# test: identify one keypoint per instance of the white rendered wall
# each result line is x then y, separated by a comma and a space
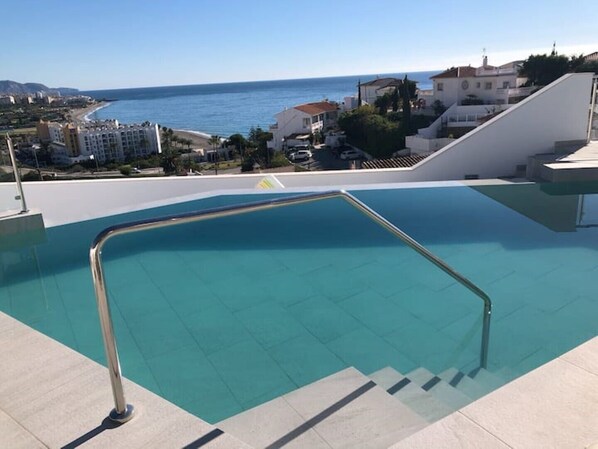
559, 112
290, 121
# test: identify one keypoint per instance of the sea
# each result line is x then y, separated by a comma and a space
226, 109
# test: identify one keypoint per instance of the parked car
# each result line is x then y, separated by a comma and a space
296, 148
301, 155
351, 154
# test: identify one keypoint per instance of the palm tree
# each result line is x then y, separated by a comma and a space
215, 142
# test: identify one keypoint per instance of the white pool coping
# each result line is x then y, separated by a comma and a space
54, 397
554, 406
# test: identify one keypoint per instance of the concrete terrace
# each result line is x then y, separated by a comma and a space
53, 397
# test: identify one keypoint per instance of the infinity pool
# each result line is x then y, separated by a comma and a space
223, 315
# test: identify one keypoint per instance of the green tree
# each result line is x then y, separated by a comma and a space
542, 70
258, 139
383, 103
215, 142
395, 97
372, 132
406, 104
239, 142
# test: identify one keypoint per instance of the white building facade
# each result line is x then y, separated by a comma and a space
482, 85
110, 141
302, 121
56, 132
370, 91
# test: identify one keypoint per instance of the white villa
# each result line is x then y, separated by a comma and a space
370, 91
487, 84
472, 96
301, 121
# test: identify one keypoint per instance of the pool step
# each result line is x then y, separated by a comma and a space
486, 378
441, 389
346, 409
463, 383
411, 394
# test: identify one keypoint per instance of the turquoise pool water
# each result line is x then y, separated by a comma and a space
221, 316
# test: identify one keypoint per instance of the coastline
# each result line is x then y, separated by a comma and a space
199, 139
82, 115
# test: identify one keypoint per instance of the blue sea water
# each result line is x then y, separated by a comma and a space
225, 109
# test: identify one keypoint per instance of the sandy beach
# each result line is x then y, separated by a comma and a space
200, 140
78, 115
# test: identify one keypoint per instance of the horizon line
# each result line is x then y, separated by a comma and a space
258, 81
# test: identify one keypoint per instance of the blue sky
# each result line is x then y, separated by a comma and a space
129, 43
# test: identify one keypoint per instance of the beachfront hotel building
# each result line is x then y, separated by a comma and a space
106, 140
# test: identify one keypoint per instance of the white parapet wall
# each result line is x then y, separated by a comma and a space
559, 112
424, 147
69, 201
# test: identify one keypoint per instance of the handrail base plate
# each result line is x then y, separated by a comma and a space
122, 418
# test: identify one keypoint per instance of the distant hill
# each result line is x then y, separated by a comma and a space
12, 87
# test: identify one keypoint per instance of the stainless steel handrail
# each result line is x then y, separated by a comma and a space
592, 107
122, 411
15, 169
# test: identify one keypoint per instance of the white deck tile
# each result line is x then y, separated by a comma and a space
344, 410
551, 407
585, 356
14, 436
453, 432
267, 423
372, 420
73, 407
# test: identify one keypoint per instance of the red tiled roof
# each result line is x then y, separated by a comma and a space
317, 108
457, 72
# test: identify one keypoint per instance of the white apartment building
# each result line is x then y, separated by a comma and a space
485, 84
109, 140
302, 120
55, 131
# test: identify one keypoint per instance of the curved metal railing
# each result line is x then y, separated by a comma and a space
122, 411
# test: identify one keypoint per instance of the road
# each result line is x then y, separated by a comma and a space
324, 159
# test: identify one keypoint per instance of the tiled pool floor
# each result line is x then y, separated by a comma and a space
218, 330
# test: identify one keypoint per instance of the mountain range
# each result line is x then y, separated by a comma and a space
14, 88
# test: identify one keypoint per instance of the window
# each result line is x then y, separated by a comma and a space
478, 85
488, 86
440, 86
306, 122
505, 85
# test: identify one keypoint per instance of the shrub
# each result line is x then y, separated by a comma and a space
125, 170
